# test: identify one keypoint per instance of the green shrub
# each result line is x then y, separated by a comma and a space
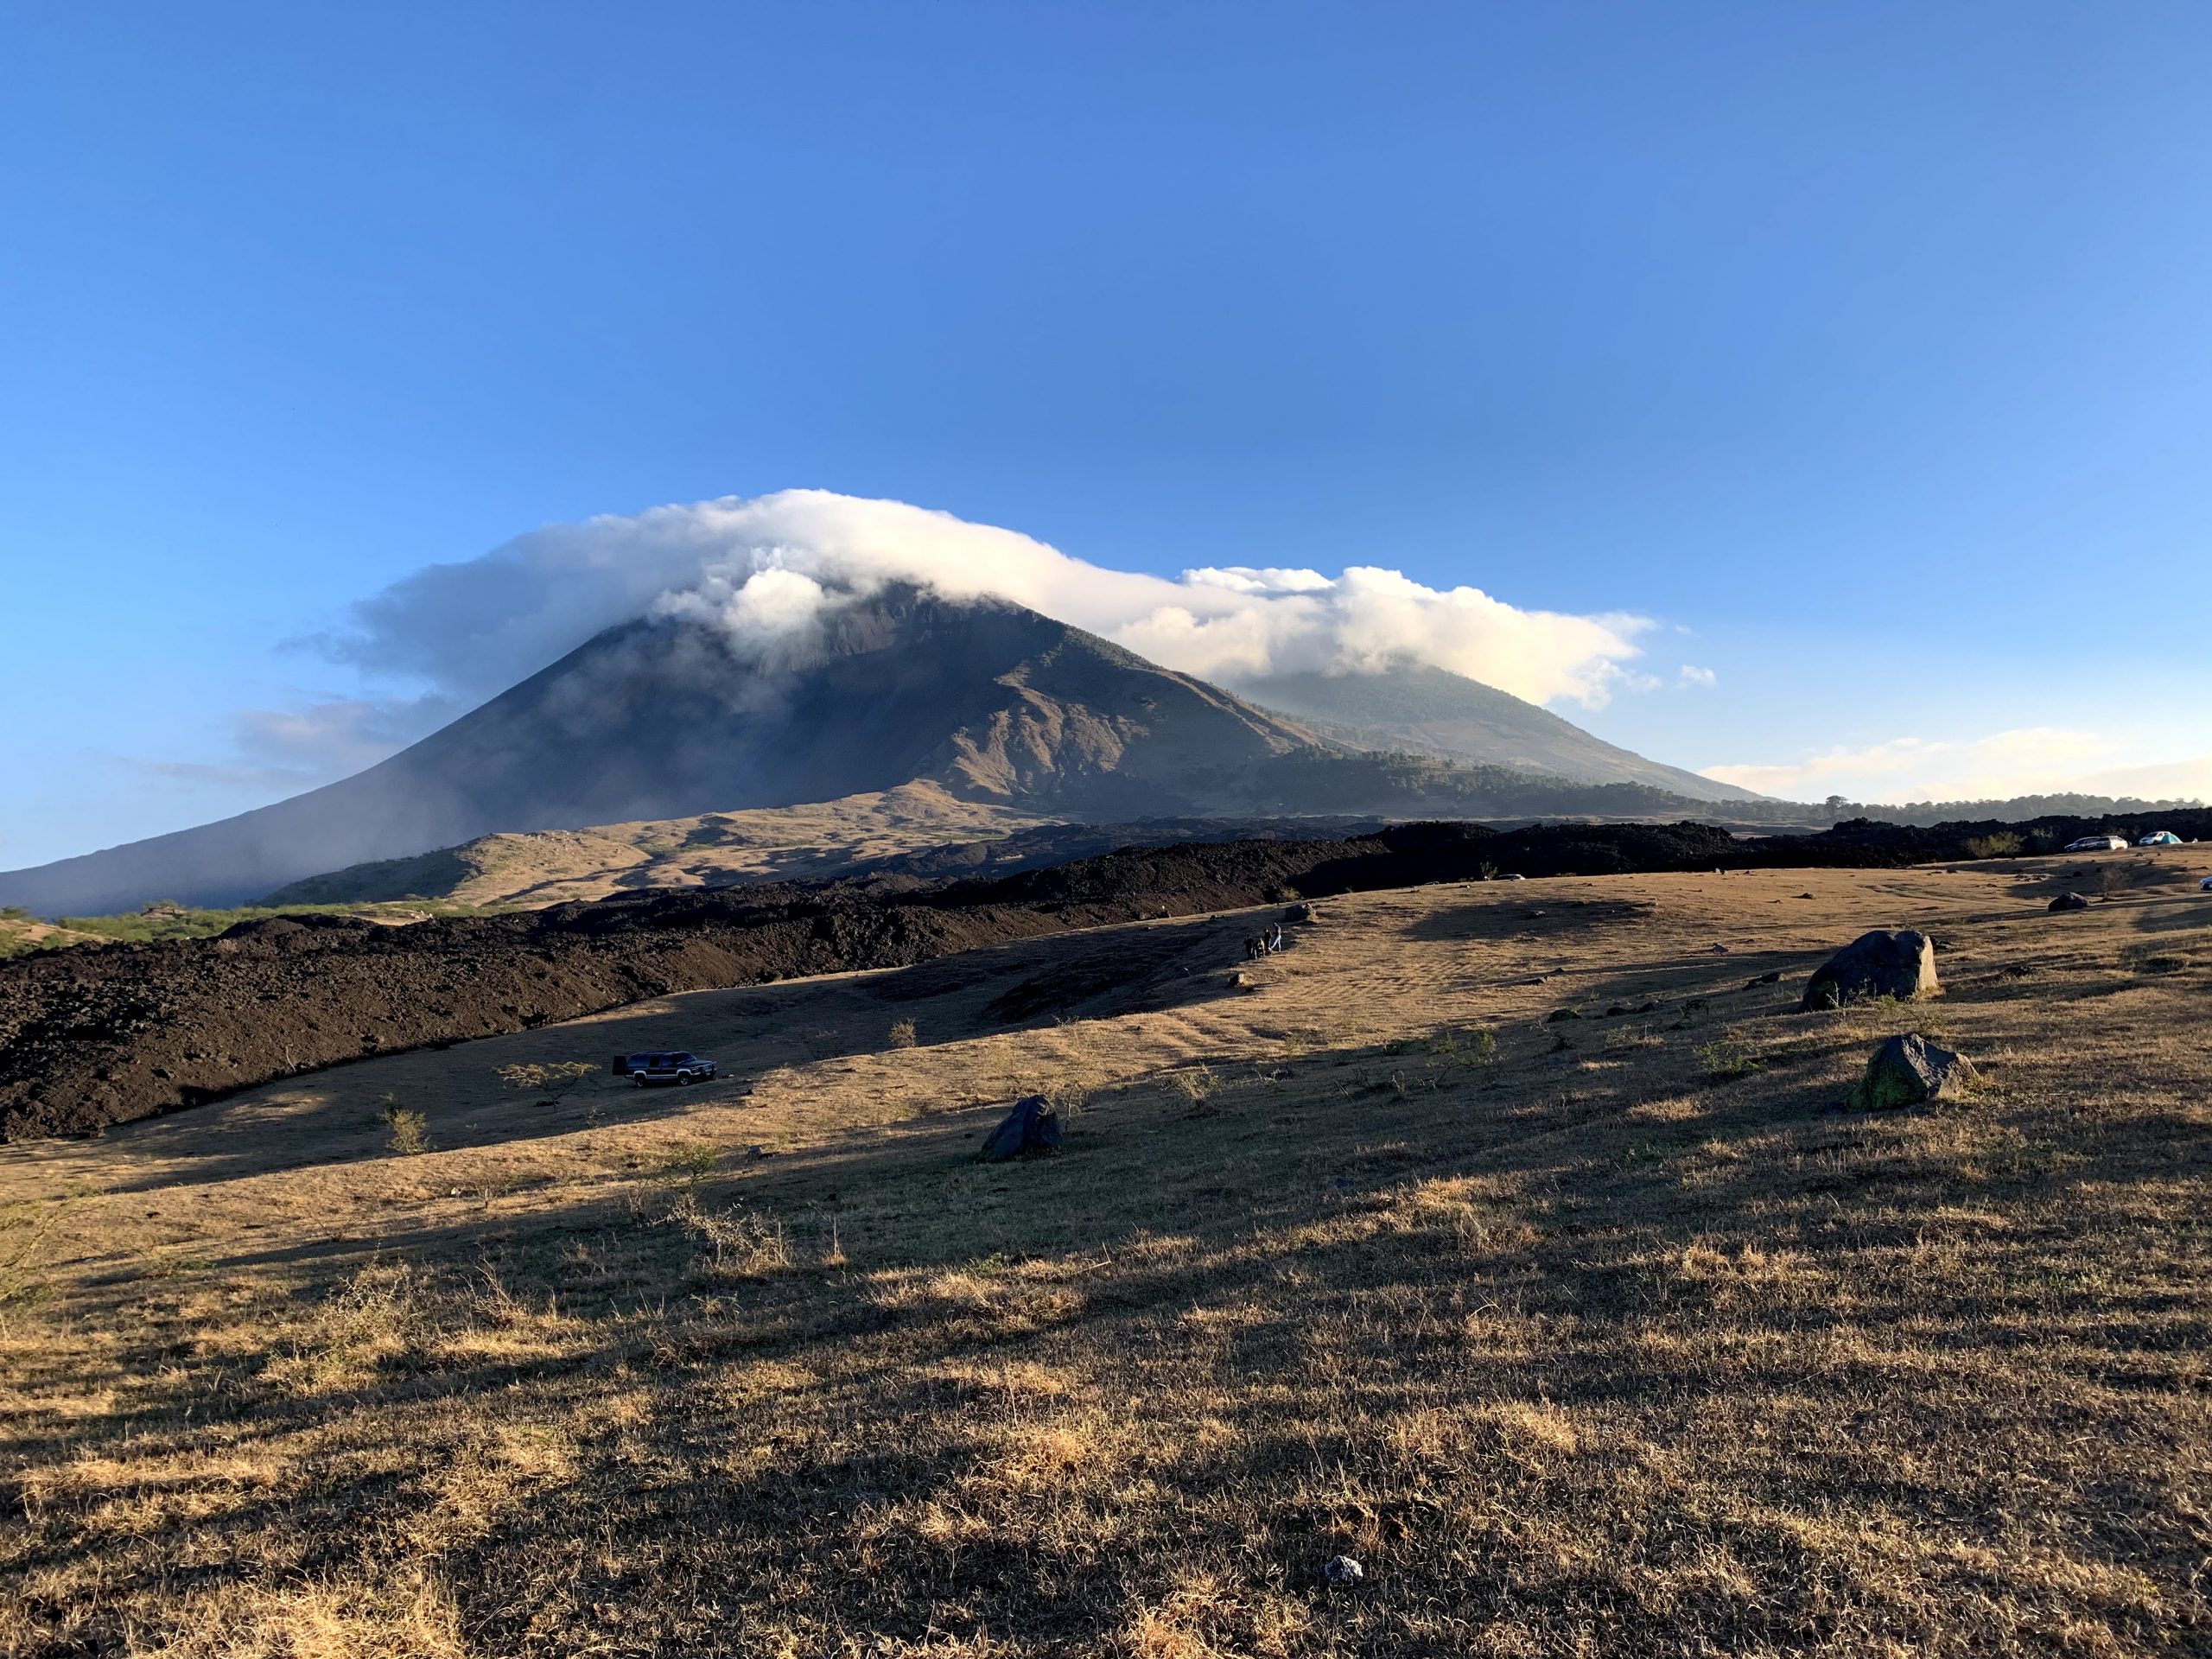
2005, 844
411, 1130
1729, 1056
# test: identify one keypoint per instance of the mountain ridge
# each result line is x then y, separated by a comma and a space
1422, 709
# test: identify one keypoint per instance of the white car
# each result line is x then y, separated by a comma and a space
2160, 838
2097, 844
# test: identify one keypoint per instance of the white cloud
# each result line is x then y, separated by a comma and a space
766, 568
1691, 675
2029, 760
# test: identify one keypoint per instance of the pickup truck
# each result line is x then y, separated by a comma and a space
669, 1067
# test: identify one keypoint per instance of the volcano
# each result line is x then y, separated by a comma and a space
981, 701
659, 719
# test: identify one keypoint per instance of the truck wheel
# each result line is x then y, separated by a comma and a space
684, 1078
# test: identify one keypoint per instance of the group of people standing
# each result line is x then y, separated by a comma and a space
1264, 944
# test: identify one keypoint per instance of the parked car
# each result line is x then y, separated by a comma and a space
2205, 886
2097, 844
673, 1066
2160, 838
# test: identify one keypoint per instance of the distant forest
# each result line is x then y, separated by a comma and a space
2017, 810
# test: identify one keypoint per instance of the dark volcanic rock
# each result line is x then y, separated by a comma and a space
1901, 964
100, 1035
2068, 901
1906, 1071
1032, 1126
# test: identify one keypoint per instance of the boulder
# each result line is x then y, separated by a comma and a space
2069, 901
1906, 1071
1902, 965
1032, 1126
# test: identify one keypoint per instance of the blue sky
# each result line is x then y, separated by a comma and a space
1864, 349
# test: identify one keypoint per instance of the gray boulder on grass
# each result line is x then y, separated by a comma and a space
1901, 964
1906, 1071
1033, 1126
2069, 901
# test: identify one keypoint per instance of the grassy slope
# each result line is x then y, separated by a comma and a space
553, 867
1577, 1349
193, 922
21, 935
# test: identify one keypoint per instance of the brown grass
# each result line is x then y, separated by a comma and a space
1595, 1350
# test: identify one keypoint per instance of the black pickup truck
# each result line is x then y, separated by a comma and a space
669, 1066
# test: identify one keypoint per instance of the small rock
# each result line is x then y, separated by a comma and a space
1719, 950
1774, 978
1558, 1014
2069, 901
1906, 1071
1342, 1569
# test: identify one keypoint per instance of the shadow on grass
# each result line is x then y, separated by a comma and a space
1375, 1233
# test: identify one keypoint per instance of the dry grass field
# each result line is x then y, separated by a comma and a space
825, 839
1604, 1336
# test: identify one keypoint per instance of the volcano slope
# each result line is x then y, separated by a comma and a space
1622, 1343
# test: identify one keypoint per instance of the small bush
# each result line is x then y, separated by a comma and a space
1470, 1048
411, 1130
732, 1244
902, 1034
1196, 1085
2005, 843
1729, 1056
692, 1161
551, 1081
